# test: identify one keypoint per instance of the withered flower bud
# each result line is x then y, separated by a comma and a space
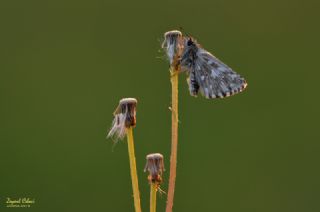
155, 166
124, 117
173, 44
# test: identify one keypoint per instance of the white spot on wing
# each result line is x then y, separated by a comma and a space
233, 76
213, 73
221, 69
224, 87
206, 91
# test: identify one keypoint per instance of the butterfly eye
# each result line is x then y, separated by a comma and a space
189, 42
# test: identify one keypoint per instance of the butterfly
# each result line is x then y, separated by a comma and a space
207, 74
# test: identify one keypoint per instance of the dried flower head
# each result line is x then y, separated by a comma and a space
124, 117
173, 44
155, 166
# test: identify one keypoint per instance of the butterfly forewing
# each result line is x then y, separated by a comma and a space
209, 75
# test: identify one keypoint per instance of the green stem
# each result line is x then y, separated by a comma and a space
153, 197
133, 170
174, 137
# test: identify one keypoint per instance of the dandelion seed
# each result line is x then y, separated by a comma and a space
124, 117
173, 44
155, 166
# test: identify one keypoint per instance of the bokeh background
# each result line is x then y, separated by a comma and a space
65, 65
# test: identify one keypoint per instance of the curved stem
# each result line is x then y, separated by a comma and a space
133, 170
153, 197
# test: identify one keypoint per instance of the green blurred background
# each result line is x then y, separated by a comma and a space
65, 65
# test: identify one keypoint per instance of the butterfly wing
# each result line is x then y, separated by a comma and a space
213, 78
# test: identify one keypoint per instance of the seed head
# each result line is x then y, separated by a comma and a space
173, 44
155, 166
124, 117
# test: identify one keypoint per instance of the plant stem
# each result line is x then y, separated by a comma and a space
133, 170
153, 197
174, 137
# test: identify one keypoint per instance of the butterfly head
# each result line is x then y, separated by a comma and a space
190, 42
